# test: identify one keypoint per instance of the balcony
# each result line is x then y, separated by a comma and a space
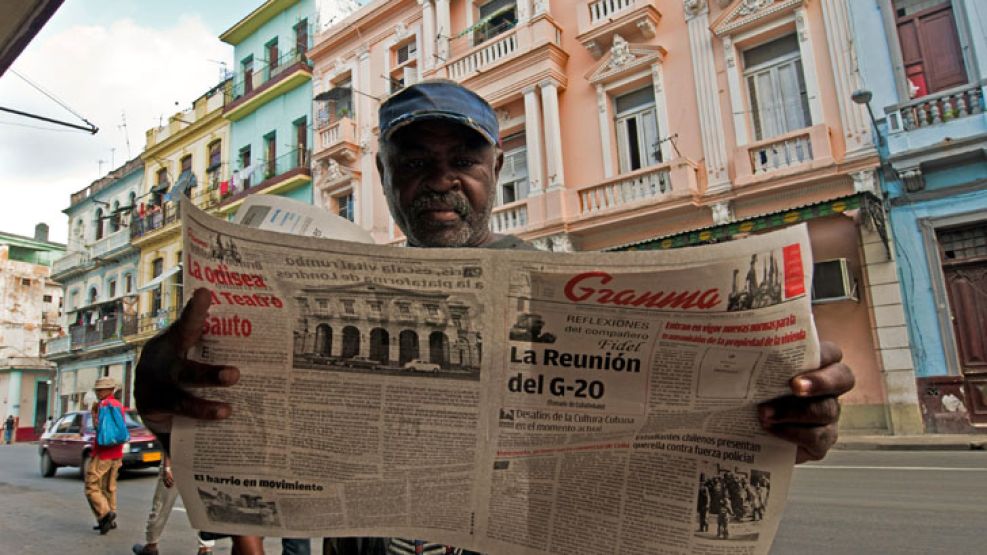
957, 114
497, 51
148, 323
71, 263
338, 140
484, 55
157, 218
57, 346
786, 154
110, 245
936, 109
88, 336
252, 89
600, 20
281, 174
645, 187
510, 218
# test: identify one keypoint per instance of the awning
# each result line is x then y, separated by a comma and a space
157, 281
335, 93
161, 187
765, 222
185, 181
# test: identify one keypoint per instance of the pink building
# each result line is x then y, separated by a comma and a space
633, 124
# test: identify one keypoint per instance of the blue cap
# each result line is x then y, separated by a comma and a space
438, 99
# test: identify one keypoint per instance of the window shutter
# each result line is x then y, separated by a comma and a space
941, 49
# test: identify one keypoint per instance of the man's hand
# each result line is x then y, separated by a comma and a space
809, 415
167, 478
164, 371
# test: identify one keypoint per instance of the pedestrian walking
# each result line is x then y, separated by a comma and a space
105, 460
8, 429
165, 494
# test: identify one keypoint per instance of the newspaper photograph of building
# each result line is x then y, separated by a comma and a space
373, 328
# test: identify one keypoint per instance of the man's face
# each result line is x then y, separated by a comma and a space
439, 180
103, 393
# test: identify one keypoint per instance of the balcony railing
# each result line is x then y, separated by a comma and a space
777, 153
88, 335
510, 218
157, 217
246, 85
602, 10
343, 129
114, 241
937, 108
484, 55
649, 184
71, 260
149, 322
58, 345
267, 172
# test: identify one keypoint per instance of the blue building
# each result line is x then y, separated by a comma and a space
269, 102
925, 64
99, 282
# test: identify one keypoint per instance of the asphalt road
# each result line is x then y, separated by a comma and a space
855, 502
877, 502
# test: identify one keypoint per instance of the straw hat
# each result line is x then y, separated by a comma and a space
105, 382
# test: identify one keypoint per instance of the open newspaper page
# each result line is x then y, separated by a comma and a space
501, 401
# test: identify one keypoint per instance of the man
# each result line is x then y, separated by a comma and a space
104, 463
163, 501
8, 428
438, 160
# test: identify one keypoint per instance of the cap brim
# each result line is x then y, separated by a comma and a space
419, 117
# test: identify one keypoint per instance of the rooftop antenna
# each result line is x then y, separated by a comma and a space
112, 152
100, 162
126, 134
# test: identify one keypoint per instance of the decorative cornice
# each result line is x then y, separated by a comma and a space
743, 13
694, 8
623, 58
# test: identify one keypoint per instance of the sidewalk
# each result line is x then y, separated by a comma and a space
925, 442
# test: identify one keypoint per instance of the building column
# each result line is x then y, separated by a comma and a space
734, 81
809, 66
707, 97
14, 395
604, 115
532, 138
553, 133
428, 33
443, 29
661, 112
846, 73
903, 414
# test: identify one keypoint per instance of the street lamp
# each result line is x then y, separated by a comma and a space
863, 96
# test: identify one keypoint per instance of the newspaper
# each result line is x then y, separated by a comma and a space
500, 401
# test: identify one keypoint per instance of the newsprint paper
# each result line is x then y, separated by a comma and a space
501, 401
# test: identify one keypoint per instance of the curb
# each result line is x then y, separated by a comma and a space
930, 444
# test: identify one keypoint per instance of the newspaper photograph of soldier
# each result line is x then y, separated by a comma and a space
247, 508
375, 329
756, 293
730, 502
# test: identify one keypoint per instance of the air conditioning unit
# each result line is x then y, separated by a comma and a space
832, 282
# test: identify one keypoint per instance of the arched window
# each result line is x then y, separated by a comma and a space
93, 295
407, 346
115, 217
98, 222
380, 345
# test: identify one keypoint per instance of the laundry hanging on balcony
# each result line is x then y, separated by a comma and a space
185, 182
158, 280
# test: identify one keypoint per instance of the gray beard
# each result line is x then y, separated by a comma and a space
472, 224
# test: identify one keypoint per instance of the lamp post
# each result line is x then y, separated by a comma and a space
863, 96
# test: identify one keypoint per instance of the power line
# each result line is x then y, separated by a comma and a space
55, 99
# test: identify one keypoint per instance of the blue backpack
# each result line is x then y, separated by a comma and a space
111, 429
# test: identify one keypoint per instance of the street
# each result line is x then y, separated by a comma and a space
866, 502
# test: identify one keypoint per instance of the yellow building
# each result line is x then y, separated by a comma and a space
188, 156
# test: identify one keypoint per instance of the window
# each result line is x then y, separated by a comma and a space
343, 205
46, 298
245, 166
185, 181
128, 283
637, 130
512, 185
301, 36
496, 17
930, 46
247, 69
323, 304
157, 266
397, 82
776, 85
348, 306
93, 295
407, 52
112, 288
160, 184
98, 222
179, 277
26, 282
215, 155
271, 49
301, 142
271, 154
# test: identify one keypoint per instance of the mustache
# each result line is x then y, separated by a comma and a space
448, 200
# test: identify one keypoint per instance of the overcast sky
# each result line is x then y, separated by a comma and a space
108, 61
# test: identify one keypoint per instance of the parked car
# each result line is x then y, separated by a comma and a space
421, 366
361, 362
69, 441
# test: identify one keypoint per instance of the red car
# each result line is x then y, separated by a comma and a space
68, 442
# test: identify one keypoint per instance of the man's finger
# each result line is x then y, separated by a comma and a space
198, 408
193, 373
188, 328
832, 379
829, 353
